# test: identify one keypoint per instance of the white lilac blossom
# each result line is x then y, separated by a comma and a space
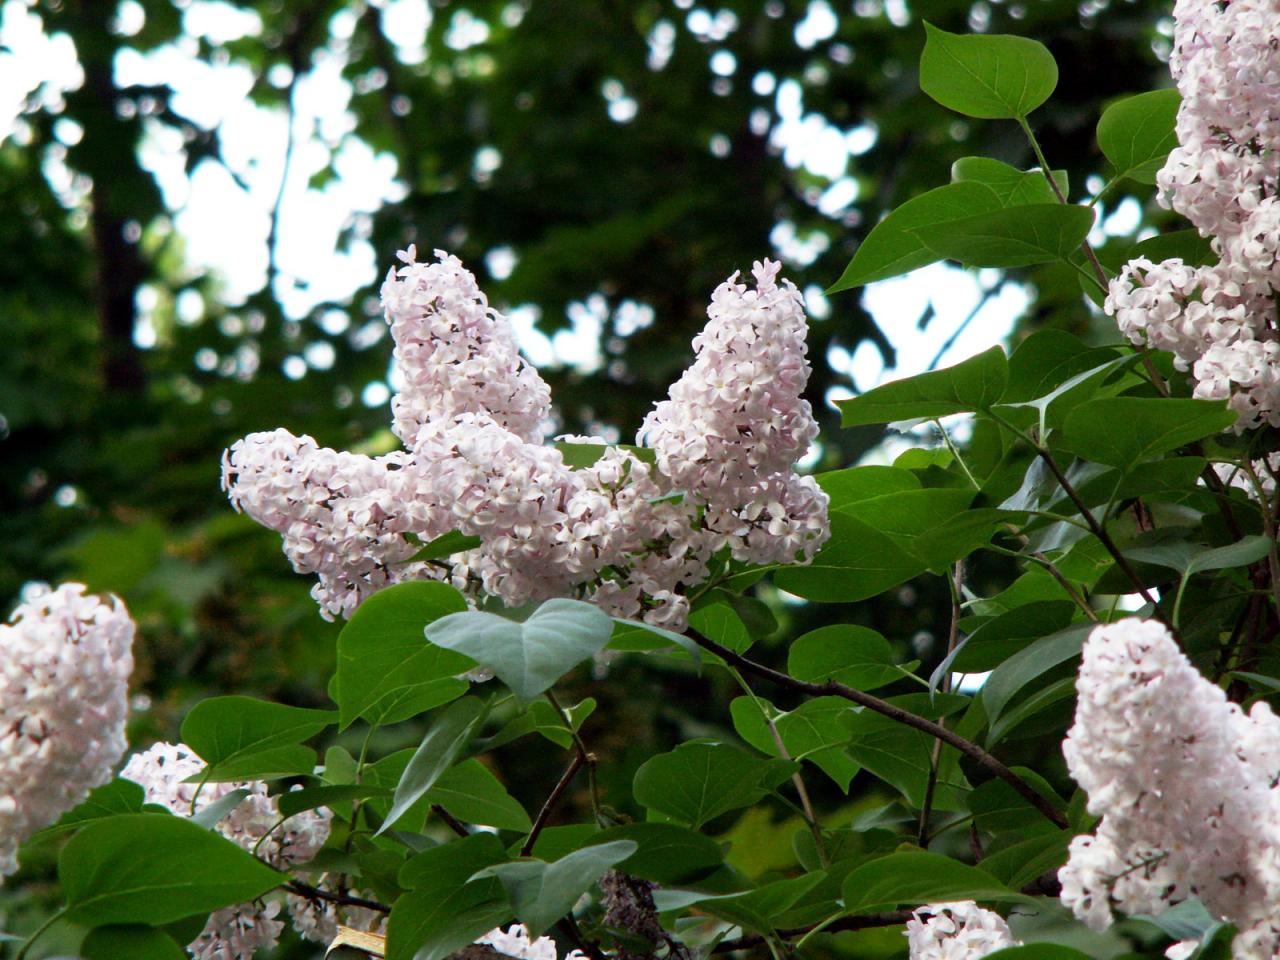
1222, 177
630, 535
64, 678
235, 932
1184, 783
515, 942
956, 931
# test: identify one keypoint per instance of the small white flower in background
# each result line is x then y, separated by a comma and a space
956, 931
1184, 782
1182, 949
473, 415
515, 942
64, 684
236, 932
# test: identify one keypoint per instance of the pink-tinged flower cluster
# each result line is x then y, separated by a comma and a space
65, 661
1219, 320
956, 931
1184, 782
631, 535
236, 932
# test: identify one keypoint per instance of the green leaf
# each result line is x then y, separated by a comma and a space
1014, 187
857, 562
1137, 133
1127, 431
916, 878
698, 781
854, 484
1042, 699
474, 795
665, 853
542, 893
1015, 672
1012, 237
226, 732
210, 814
997, 807
383, 660
130, 942
751, 909
144, 868
309, 798
118, 796
892, 248
975, 384
676, 639
579, 456
813, 732
906, 515
856, 656
1038, 951
903, 757
1189, 559
531, 656
439, 748
1020, 864
989, 77
445, 545
1185, 245
271, 764
443, 912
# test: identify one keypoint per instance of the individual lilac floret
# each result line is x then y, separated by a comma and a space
64, 683
1184, 783
455, 354
956, 931
515, 942
236, 932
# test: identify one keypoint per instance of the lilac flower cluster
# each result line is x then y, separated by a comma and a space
956, 931
236, 932
1219, 320
64, 679
630, 535
1185, 784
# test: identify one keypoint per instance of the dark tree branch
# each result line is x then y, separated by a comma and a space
342, 899
575, 764
833, 689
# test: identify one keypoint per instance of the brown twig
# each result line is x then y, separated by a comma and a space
575, 764
953, 637
315, 893
832, 688
452, 822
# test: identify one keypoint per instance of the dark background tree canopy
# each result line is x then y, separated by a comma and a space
110, 452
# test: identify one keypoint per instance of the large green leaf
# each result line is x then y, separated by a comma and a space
228, 732
975, 384
853, 484
698, 781
443, 912
917, 878
812, 731
905, 515
903, 757
437, 752
1014, 187
1012, 237
850, 654
892, 248
473, 794
1127, 431
130, 942
1137, 133
144, 868
857, 562
665, 853
531, 656
989, 77
383, 660
110, 799
1015, 672
754, 909
542, 893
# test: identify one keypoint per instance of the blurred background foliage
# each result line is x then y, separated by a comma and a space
614, 157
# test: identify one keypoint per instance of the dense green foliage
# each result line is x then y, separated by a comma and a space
1078, 484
